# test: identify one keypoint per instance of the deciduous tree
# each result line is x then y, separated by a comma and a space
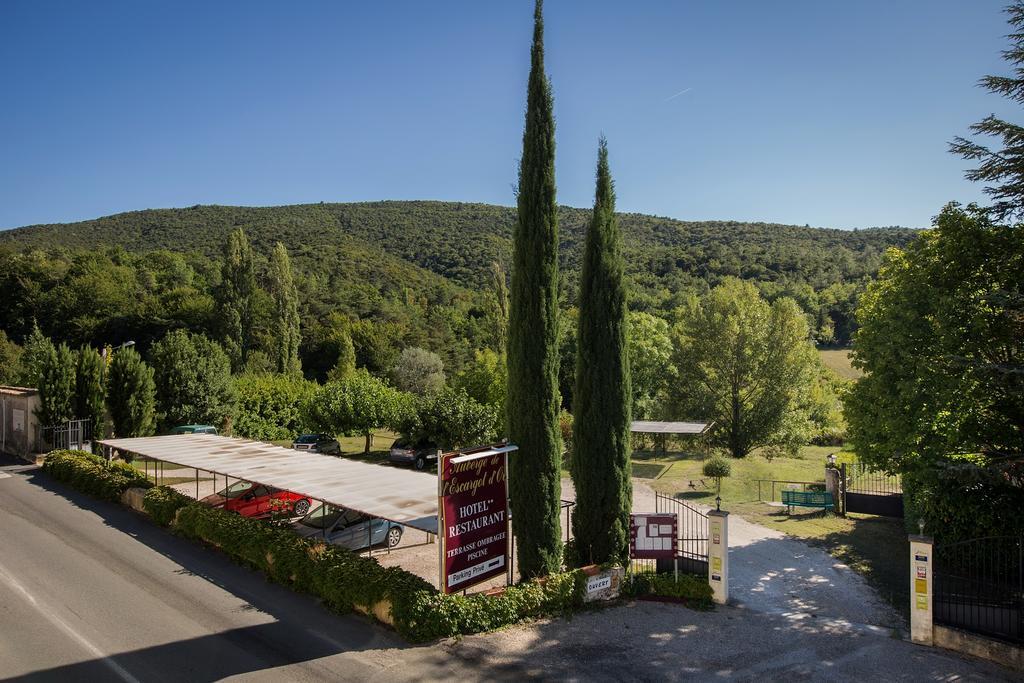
650, 362
746, 365
358, 404
941, 344
193, 380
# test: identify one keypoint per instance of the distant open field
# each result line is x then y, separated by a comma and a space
839, 360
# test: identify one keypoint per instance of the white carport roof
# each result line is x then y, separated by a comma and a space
669, 427
399, 495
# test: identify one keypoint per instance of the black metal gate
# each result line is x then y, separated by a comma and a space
692, 543
978, 586
870, 492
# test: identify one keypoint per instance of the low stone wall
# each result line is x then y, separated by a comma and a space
603, 584
978, 646
133, 498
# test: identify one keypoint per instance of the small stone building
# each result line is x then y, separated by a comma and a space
19, 427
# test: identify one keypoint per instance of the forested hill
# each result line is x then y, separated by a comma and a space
459, 241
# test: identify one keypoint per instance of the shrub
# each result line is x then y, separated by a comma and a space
162, 502
343, 579
694, 591
717, 467
422, 616
346, 581
93, 475
959, 502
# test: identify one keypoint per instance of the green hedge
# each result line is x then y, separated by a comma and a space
343, 579
346, 581
162, 502
695, 591
92, 474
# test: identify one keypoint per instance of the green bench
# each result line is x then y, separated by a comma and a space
807, 499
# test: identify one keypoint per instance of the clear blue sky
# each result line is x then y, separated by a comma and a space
804, 111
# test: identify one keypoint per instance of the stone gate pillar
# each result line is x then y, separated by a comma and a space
718, 555
922, 567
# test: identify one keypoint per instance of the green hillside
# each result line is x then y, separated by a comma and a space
458, 241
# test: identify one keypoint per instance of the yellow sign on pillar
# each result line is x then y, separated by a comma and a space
921, 561
718, 555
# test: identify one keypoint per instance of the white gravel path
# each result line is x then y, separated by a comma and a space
774, 573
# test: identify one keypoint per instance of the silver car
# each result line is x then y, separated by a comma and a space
348, 528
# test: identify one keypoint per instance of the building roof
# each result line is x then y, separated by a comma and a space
649, 427
400, 495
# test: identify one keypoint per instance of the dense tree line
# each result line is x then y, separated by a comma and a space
364, 258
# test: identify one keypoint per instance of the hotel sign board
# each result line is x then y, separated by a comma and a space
473, 516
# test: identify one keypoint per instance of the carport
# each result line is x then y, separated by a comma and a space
402, 496
662, 428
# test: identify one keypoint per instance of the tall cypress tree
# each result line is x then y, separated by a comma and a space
56, 386
236, 298
603, 395
90, 390
286, 311
131, 394
533, 401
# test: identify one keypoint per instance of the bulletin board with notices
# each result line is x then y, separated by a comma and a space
653, 536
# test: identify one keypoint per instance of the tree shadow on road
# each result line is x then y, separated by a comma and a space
302, 629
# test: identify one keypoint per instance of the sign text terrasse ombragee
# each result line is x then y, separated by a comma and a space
474, 518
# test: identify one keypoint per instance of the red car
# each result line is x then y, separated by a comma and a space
257, 500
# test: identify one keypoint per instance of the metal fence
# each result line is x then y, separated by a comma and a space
73, 434
979, 586
691, 543
870, 492
859, 478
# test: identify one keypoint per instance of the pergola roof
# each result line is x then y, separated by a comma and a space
647, 427
399, 495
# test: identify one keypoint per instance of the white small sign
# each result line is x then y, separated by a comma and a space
598, 583
18, 418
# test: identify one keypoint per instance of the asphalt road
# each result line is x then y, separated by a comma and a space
92, 591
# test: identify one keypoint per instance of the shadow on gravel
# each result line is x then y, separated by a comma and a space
303, 629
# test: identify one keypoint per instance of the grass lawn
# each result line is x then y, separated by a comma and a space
352, 447
876, 547
839, 360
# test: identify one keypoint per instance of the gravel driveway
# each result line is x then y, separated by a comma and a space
777, 574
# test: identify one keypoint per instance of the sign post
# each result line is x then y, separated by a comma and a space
473, 519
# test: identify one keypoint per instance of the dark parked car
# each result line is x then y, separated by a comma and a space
348, 528
194, 429
317, 443
419, 453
